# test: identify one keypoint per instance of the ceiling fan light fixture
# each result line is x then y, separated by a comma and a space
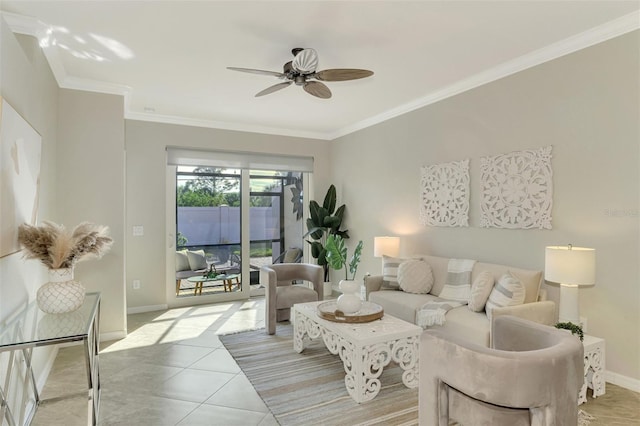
302, 71
306, 61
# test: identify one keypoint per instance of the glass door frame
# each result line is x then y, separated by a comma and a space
171, 214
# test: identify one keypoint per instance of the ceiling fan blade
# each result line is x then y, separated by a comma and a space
306, 61
317, 89
274, 88
254, 71
342, 74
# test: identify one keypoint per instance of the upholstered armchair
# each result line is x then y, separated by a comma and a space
530, 376
280, 292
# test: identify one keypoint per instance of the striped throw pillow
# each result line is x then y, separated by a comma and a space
390, 267
508, 291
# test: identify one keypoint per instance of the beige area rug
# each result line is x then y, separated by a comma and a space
308, 388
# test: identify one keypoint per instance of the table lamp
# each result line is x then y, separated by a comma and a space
388, 246
570, 267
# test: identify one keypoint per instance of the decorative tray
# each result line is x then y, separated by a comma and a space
368, 312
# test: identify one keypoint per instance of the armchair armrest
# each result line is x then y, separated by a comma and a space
372, 283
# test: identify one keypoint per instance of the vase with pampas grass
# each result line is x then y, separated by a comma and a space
60, 250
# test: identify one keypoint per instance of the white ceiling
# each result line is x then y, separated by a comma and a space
169, 58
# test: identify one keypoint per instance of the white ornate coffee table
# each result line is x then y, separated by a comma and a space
364, 348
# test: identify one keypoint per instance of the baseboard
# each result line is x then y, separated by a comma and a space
622, 381
113, 335
149, 308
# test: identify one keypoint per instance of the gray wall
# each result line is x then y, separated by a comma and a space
29, 87
587, 106
146, 191
90, 160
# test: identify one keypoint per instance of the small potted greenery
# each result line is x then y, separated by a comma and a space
337, 255
573, 328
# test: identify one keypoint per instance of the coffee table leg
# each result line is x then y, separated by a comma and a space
298, 331
364, 367
405, 352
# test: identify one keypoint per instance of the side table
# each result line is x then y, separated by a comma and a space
593, 367
32, 328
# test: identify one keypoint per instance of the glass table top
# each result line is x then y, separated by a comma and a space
33, 327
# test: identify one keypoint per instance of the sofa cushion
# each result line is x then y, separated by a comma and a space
197, 260
466, 324
400, 304
439, 268
480, 291
415, 276
182, 261
508, 291
530, 279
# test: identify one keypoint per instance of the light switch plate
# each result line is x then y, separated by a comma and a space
138, 231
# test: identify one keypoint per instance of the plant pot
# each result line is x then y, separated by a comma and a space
61, 294
349, 301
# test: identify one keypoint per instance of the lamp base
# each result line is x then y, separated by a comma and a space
569, 309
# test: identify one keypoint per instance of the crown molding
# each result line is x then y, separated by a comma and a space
617, 27
222, 125
599, 34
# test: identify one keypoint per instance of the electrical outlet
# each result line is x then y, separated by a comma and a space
136, 284
138, 231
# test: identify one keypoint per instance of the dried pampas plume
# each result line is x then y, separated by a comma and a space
57, 248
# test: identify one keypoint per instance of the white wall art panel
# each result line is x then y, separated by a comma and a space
445, 194
20, 149
517, 190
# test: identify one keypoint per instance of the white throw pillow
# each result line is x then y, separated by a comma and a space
480, 291
415, 276
182, 261
508, 291
197, 260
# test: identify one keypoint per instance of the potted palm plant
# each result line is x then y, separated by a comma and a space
324, 220
337, 255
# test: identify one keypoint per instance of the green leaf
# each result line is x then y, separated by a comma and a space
313, 213
332, 222
330, 200
316, 249
355, 259
336, 252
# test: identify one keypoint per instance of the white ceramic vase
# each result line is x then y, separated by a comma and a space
349, 302
61, 294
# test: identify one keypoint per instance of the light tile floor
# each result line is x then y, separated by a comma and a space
171, 369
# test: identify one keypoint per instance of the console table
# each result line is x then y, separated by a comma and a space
32, 328
593, 367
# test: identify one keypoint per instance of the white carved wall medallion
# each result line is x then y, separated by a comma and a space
445, 194
517, 190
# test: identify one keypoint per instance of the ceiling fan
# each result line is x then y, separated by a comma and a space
302, 72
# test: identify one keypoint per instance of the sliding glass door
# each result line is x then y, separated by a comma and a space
228, 223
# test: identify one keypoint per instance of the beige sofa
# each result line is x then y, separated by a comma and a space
461, 321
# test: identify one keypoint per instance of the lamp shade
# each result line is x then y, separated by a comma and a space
389, 246
570, 265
